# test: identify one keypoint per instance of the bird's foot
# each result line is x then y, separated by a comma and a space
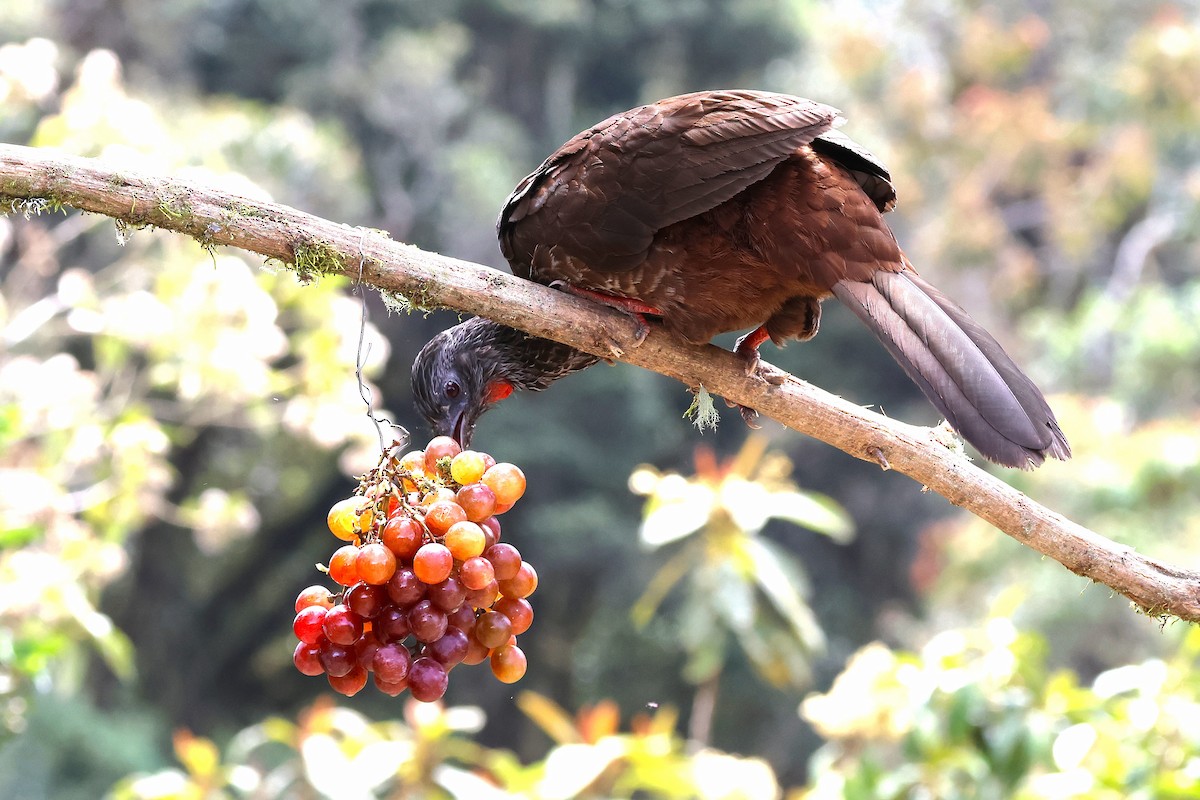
642, 329
747, 348
749, 415
634, 308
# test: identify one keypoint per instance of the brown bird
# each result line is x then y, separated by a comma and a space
726, 210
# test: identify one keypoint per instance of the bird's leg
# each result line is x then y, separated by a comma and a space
634, 308
798, 318
747, 347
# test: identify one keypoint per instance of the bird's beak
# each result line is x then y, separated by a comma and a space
462, 424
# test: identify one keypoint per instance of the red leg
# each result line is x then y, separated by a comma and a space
634, 308
747, 346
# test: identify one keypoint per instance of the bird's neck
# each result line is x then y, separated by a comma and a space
529, 362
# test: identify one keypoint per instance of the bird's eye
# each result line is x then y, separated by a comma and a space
452, 389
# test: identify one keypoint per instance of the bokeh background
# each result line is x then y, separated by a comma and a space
174, 423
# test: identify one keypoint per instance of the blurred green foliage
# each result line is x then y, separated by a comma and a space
977, 714
174, 423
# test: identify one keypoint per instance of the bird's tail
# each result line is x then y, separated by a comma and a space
958, 365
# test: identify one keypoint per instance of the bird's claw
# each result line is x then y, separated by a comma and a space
772, 375
641, 329
751, 363
749, 416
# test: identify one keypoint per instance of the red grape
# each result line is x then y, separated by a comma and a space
462, 618
391, 689
447, 595
405, 588
427, 680
450, 649
307, 659
351, 683
392, 662
392, 625
492, 524
365, 648
366, 600
342, 626
337, 659
506, 560
427, 622
483, 598
308, 625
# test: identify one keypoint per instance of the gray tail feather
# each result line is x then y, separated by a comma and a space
963, 371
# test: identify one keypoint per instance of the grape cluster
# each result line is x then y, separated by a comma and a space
425, 582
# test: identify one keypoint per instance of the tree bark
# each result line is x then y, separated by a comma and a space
33, 180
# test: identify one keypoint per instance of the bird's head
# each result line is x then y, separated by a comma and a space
458, 375
464, 371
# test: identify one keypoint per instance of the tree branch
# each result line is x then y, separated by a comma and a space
31, 179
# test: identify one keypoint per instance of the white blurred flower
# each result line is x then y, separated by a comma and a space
720, 776
27, 71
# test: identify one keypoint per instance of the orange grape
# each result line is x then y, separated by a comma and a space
518, 611
509, 663
432, 563
465, 540
375, 563
476, 573
343, 565
403, 535
478, 500
314, 596
343, 517
523, 584
441, 515
492, 629
507, 481
414, 464
467, 467
353, 681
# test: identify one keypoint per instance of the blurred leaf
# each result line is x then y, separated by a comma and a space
665, 578
730, 597
19, 537
813, 511
198, 755
781, 581
549, 716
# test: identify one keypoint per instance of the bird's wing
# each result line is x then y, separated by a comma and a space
603, 195
867, 170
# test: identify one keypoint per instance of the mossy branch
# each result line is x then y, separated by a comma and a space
33, 180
